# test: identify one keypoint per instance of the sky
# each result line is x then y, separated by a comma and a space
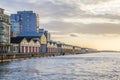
86, 23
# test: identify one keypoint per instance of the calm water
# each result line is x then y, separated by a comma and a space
102, 66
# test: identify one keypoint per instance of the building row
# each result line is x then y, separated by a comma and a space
33, 44
18, 25
20, 33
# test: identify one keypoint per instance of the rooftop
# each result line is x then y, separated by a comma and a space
19, 39
1, 8
30, 34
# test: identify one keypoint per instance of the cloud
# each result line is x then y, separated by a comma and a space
90, 23
109, 7
74, 34
91, 20
96, 28
94, 1
72, 16
62, 9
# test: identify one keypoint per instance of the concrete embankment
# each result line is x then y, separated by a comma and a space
17, 56
10, 56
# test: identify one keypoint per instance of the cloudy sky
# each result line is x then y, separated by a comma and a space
86, 23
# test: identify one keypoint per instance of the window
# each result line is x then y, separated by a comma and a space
27, 20
13, 48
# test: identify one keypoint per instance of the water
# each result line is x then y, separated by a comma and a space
96, 66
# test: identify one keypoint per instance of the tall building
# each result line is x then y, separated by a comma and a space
15, 28
4, 32
24, 21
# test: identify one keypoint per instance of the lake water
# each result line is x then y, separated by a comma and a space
96, 66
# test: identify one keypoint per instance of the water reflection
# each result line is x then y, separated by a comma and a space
102, 66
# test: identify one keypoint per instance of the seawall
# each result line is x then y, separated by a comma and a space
16, 56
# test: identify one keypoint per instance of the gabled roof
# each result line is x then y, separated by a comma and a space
19, 39
35, 40
16, 39
30, 34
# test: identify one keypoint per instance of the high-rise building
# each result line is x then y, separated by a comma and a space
15, 28
4, 32
24, 21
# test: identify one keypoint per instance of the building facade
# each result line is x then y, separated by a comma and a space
25, 45
24, 21
52, 47
47, 34
15, 30
4, 32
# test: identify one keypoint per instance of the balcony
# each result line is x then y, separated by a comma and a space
1, 27
2, 33
3, 41
5, 21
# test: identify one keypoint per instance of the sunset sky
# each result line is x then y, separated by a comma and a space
86, 23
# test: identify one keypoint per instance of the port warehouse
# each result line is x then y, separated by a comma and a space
20, 33
28, 42
34, 44
21, 37
27, 45
31, 46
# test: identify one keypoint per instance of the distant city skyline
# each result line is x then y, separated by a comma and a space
86, 23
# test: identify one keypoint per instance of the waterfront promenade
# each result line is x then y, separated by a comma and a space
16, 56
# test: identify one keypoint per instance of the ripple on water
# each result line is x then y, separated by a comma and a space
102, 66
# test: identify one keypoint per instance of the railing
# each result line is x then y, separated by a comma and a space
5, 21
2, 40
2, 33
